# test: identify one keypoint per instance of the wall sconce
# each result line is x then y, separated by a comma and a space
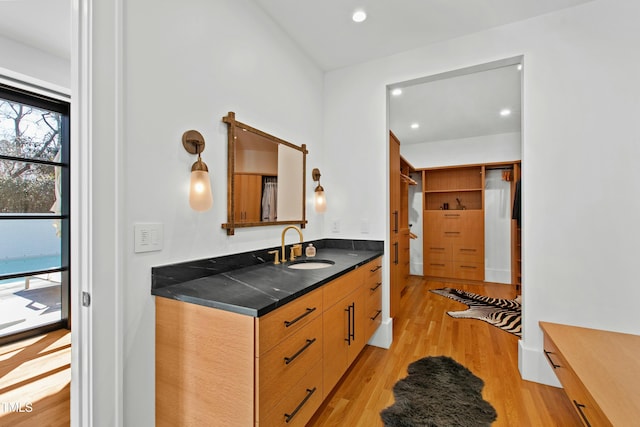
320, 201
200, 198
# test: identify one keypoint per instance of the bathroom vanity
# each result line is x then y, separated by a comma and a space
249, 342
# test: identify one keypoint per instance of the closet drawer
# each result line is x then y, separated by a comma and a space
298, 403
581, 400
276, 326
435, 252
283, 366
468, 270
442, 268
468, 252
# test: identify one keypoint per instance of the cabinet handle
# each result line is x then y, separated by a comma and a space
553, 365
377, 314
348, 339
288, 323
436, 249
376, 286
436, 265
353, 319
395, 246
395, 221
288, 360
451, 232
452, 215
473, 267
289, 417
378, 267
467, 250
579, 407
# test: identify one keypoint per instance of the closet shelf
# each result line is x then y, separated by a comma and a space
453, 190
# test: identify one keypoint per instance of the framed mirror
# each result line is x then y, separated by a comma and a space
265, 178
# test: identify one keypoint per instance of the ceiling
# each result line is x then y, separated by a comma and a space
446, 109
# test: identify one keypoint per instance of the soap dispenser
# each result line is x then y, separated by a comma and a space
310, 251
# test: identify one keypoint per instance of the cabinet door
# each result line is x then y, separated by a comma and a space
394, 218
247, 197
335, 346
358, 327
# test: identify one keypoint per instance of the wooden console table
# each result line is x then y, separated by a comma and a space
599, 370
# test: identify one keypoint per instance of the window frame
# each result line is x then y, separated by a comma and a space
62, 107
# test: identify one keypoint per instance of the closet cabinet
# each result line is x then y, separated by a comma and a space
247, 197
454, 222
399, 181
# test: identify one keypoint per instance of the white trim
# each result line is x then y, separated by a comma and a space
533, 366
81, 238
31, 84
383, 337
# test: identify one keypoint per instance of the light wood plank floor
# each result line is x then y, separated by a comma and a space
424, 329
35, 376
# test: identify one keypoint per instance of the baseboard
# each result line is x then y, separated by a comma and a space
533, 366
383, 337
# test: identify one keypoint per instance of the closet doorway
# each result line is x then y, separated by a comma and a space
466, 118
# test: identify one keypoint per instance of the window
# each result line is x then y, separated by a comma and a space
34, 214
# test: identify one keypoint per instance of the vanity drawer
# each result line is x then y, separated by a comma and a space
276, 326
373, 270
581, 400
342, 286
298, 403
282, 367
373, 312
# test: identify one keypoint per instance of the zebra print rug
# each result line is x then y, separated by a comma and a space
503, 313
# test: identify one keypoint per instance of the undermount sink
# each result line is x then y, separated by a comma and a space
307, 264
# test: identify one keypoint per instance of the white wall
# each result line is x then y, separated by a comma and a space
186, 65
502, 147
581, 145
26, 63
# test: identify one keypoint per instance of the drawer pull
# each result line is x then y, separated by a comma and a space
579, 407
378, 267
436, 249
451, 232
451, 215
377, 314
289, 417
469, 266
288, 323
436, 265
288, 360
376, 286
553, 365
467, 250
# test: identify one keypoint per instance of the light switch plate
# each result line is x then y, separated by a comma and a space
364, 226
335, 226
148, 237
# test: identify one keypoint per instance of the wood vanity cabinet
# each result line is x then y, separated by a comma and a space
215, 367
247, 197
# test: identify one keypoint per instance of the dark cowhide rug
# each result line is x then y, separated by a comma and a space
438, 392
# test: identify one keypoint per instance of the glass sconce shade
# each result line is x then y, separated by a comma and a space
320, 199
200, 197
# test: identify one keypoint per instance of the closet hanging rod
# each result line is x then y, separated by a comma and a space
504, 168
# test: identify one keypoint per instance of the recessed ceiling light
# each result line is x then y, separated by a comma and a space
359, 15
396, 92
505, 112
519, 67
415, 125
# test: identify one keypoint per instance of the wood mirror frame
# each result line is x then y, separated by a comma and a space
254, 179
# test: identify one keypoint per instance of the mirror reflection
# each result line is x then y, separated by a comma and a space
266, 178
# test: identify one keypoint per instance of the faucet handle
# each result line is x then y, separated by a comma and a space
293, 254
277, 256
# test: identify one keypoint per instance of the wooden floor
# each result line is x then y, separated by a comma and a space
35, 376
424, 329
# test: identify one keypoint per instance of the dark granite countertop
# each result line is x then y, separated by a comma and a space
249, 284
